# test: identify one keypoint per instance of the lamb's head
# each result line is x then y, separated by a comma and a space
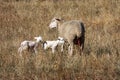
61, 40
38, 39
54, 22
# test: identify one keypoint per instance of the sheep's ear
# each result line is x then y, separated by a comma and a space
58, 19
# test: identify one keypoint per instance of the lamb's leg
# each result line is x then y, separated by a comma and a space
20, 51
69, 49
53, 50
35, 50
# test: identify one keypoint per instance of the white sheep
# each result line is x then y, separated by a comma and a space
30, 45
53, 44
73, 31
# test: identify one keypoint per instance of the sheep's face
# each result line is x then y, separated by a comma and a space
54, 23
38, 39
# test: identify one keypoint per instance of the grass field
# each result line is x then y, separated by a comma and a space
24, 19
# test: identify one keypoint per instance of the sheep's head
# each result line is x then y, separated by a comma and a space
38, 39
54, 22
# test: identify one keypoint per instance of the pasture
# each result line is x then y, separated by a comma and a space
24, 19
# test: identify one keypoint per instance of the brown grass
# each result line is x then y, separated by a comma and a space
24, 19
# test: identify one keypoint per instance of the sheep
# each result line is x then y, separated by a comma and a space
53, 44
30, 45
73, 31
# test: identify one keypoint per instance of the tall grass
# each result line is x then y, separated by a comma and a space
25, 19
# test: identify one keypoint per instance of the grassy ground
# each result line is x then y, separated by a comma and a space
25, 19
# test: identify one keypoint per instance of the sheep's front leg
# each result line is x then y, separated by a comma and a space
61, 48
70, 48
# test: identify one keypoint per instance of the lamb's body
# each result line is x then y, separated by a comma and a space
53, 44
71, 30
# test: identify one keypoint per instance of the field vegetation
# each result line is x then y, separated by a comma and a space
24, 19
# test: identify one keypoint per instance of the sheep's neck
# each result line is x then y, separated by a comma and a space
59, 24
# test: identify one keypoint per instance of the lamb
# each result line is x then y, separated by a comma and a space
73, 31
30, 45
53, 44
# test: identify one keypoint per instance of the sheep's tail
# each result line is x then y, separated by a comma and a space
82, 27
81, 31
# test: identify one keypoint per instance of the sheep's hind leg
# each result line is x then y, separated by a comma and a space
81, 46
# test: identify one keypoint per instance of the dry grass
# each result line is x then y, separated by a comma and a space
24, 19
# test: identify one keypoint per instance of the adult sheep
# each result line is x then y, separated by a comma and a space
72, 31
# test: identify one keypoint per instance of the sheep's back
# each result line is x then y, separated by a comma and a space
70, 29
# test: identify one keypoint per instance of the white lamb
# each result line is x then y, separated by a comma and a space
53, 44
30, 45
